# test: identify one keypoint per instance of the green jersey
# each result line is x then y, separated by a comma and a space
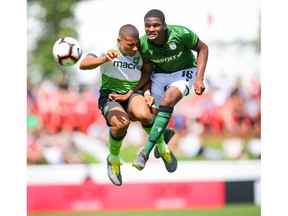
175, 54
122, 73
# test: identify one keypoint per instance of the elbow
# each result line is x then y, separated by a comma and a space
207, 52
87, 63
207, 49
82, 66
204, 48
201, 47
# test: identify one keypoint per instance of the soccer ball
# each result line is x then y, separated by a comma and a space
67, 51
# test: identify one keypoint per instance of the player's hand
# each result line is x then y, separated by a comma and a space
119, 97
111, 54
199, 87
150, 100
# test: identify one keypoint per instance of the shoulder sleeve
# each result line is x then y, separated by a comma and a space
144, 49
96, 51
100, 49
190, 39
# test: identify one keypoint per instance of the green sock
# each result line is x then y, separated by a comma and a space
147, 129
115, 144
157, 130
160, 142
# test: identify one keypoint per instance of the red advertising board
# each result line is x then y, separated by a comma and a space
90, 196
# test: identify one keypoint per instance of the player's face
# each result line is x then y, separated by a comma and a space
155, 30
128, 45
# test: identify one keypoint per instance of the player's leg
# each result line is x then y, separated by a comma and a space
139, 111
167, 135
158, 90
118, 121
156, 132
161, 122
177, 85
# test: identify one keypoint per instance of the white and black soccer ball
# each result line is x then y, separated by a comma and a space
67, 51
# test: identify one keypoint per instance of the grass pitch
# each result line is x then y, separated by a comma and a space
228, 210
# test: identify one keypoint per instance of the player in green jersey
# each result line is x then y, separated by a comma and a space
167, 51
120, 72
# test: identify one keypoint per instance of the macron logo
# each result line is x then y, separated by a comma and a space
121, 64
159, 129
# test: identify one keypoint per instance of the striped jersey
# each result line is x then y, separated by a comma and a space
122, 73
175, 54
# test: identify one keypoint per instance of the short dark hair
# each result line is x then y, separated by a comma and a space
128, 30
155, 13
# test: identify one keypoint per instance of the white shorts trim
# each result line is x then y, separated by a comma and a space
182, 79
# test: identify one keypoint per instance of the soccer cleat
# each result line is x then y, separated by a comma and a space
168, 134
114, 173
169, 160
141, 160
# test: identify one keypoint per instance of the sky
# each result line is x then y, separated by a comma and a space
221, 20
100, 19
213, 21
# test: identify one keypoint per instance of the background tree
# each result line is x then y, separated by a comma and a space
257, 41
47, 22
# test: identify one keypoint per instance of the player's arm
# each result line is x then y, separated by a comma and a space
92, 61
202, 57
146, 72
150, 100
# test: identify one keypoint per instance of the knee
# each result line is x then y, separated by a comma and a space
167, 101
145, 118
121, 127
171, 97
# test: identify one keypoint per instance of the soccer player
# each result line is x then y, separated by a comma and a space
167, 51
120, 69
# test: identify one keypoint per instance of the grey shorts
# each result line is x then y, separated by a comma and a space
105, 105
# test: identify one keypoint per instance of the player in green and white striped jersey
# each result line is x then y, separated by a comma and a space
120, 70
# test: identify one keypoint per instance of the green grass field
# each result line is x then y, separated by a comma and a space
229, 210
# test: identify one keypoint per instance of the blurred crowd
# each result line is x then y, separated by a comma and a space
56, 110
230, 112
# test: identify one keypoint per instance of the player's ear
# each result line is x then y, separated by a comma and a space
164, 24
119, 40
